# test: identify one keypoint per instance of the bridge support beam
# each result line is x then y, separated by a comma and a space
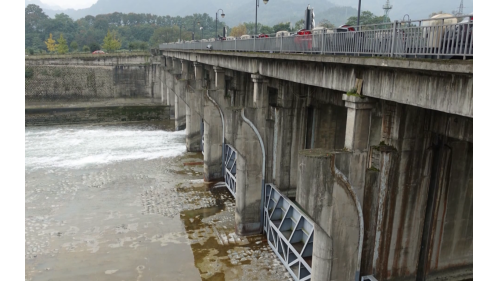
328, 198
180, 114
249, 178
213, 130
193, 131
357, 139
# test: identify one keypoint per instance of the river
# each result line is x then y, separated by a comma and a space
126, 202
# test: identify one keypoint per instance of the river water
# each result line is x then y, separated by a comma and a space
126, 202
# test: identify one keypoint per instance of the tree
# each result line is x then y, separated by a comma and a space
327, 24
74, 46
132, 46
51, 44
299, 25
283, 26
111, 43
94, 46
143, 46
62, 45
86, 48
366, 17
266, 29
238, 30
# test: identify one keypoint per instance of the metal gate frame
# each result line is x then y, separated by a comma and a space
290, 233
230, 168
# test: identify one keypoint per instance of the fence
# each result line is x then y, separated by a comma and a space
290, 233
439, 38
230, 169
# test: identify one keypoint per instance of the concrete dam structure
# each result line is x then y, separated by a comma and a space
354, 168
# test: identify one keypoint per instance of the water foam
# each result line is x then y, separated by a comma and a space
76, 147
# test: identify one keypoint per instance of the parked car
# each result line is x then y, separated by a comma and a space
98, 52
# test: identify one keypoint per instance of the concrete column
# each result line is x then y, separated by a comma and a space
180, 114
357, 137
266, 129
198, 75
184, 69
358, 122
169, 63
328, 199
212, 155
249, 179
220, 80
176, 66
193, 131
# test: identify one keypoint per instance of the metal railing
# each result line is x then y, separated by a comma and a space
430, 38
290, 233
230, 169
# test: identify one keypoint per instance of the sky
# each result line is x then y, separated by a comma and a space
73, 4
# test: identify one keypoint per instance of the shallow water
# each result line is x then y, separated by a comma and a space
126, 202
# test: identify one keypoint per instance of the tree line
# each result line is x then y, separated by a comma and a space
132, 31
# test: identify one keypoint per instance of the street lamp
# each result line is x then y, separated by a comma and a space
359, 11
180, 32
201, 28
222, 15
194, 21
256, 6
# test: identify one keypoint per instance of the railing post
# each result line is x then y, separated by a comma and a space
254, 43
323, 42
281, 44
393, 37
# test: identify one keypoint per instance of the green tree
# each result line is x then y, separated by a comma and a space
366, 17
74, 46
132, 46
94, 46
283, 26
266, 29
327, 24
51, 44
62, 45
86, 48
143, 46
299, 25
111, 43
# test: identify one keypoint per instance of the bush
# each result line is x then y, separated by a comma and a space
28, 73
86, 48
94, 47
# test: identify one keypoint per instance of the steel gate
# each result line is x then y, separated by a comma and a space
230, 168
289, 233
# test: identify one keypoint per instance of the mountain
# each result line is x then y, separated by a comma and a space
274, 12
41, 5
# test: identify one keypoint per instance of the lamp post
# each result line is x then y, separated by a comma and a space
359, 11
194, 21
256, 6
180, 32
201, 28
222, 15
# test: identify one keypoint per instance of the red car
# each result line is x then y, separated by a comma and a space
98, 52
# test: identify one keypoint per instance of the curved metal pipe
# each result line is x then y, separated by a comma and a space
223, 139
263, 164
343, 178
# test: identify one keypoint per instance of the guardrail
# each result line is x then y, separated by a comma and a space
290, 233
440, 38
230, 169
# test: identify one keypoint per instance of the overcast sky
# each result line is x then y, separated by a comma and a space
73, 4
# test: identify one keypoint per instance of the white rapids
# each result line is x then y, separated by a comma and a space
80, 146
